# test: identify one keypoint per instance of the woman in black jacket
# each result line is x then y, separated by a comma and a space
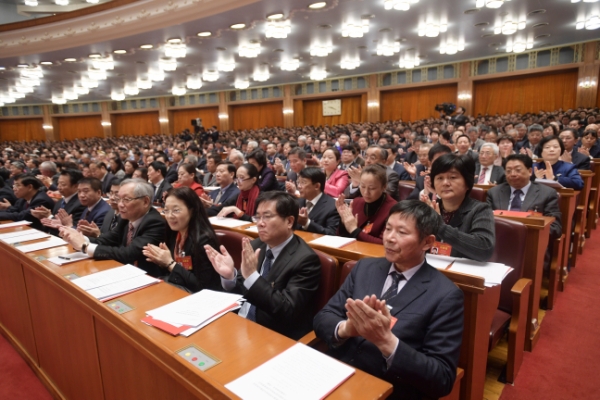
183, 254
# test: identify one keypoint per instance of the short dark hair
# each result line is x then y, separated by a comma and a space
589, 131
350, 148
159, 166
378, 171
94, 183
506, 137
437, 149
285, 203
251, 169
570, 130
116, 181
29, 179
229, 165
101, 165
547, 139
465, 165
421, 139
215, 157
427, 221
315, 175
74, 175
299, 151
335, 151
524, 158
258, 155
463, 136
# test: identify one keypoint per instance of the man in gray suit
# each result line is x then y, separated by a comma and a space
375, 155
210, 178
520, 194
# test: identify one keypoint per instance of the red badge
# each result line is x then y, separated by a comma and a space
441, 248
185, 262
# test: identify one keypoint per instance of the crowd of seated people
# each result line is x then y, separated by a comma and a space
340, 180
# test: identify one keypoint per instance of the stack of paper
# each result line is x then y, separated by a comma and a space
13, 224
300, 373
53, 241
32, 235
17, 233
106, 285
211, 188
189, 314
227, 222
332, 241
493, 273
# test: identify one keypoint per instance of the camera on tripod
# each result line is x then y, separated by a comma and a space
446, 108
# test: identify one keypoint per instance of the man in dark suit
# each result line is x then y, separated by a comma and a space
225, 175
318, 213
177, 161
210, 178
68, 208
89, 193
297, 161
6, 193
280, 273
348, 157
140, 225
29, 197
485, 171
571, 154
111, 218
518, 193
398, 168
100, 171
156, 177
397, 317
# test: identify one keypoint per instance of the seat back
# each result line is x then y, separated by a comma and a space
311, 162
509, 250
327, 285
478, 194
405, 188
346, 269
233, 243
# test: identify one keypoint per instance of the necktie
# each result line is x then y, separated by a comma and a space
209, 178
130, 234
393, 290
515, 204
481, 179
63, 203
113, 222
219, 197
265, 270
309, 206
88, 216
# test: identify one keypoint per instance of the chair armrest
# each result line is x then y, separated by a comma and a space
520, 286
517, 328
455, 394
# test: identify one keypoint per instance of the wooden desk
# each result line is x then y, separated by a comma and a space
81, 348
538, 234
480, 305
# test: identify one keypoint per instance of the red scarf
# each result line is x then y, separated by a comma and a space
248, 197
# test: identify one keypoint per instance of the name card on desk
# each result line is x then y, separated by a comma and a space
227, 222
332, 241
299, 373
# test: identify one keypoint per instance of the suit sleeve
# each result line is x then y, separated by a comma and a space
151, 232
202, 277
571, 179
432, 369
289, 303
268, 181
392, 186
331, 223
479, 242
552, 209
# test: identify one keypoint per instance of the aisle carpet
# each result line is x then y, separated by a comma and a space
564, 364
17, 380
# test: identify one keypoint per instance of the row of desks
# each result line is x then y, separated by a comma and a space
83, 349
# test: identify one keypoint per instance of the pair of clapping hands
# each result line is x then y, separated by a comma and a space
63, 219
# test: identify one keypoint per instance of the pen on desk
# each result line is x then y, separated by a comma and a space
64, 258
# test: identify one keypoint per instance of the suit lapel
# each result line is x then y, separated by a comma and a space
504, 197
414, 288
532, 194
283, 259
379, 272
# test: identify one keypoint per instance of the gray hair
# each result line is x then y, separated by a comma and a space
519, 126
236, 154
48, 165
535, 128
383, 153
192, 159
253, 144
493, 146
472, 129
141, 189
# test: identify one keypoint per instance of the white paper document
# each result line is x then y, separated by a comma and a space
493, 273
195, 309
17, 233
211, 188
253, 228
68, 258
33, 235
299, 373
118, 288
108, 277
195, 329
227, 222
13, 224
332, 241
52, 242
438, 261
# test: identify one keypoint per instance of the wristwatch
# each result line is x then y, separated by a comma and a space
84, 247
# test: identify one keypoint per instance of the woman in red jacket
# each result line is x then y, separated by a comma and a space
337, 179
365, 219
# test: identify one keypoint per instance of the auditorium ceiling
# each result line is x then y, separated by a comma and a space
102, 53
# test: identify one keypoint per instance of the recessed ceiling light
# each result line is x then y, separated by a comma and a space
316, 6
23, 65
238, 26
46, 63
120, 51
275, 16
204, 34
146, 46
70, 59
2, 68
174, 40
95, 55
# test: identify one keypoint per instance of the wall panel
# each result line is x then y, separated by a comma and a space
255, 116
70, 128
181, 118
527, 93
136, 124
415, 103
22, 129
351, 112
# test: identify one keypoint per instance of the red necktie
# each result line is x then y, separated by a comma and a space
481, 179
130, 234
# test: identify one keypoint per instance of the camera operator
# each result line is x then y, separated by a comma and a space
459, 119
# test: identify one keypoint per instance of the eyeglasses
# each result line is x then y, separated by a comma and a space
127, 200
176, 211
265, 218
242, 179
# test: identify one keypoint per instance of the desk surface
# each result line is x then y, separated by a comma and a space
240, 344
